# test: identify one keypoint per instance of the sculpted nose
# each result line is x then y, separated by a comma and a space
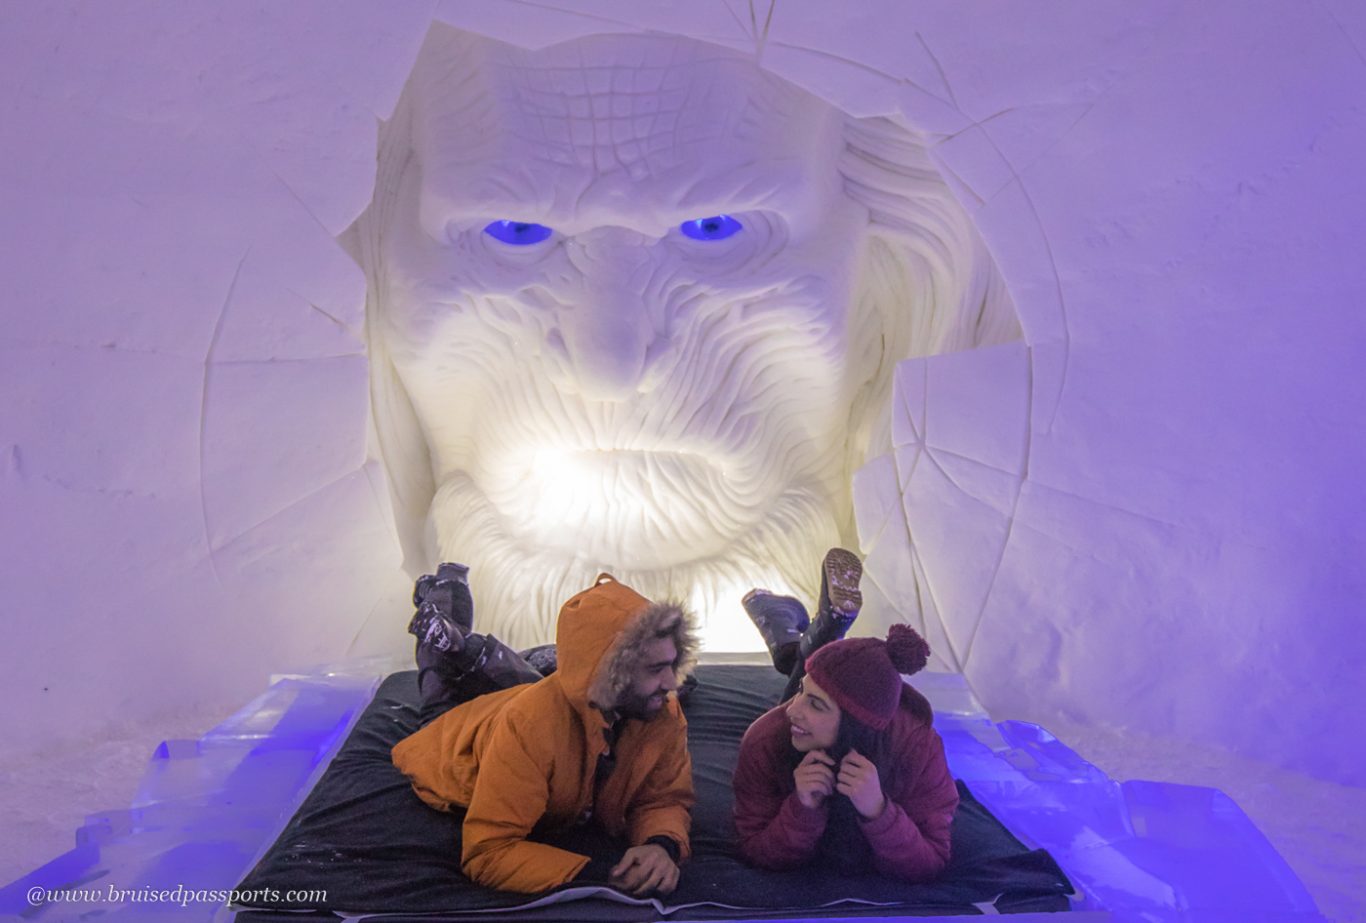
602, 351
605, 338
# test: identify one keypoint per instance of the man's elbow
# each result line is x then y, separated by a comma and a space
481, 866
516, 877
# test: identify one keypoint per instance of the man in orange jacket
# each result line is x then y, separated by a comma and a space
598, 740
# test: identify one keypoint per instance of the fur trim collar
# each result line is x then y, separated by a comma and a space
661, 619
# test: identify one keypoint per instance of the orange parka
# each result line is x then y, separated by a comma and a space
522, 755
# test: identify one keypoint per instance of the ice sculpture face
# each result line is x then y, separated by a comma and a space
614, 325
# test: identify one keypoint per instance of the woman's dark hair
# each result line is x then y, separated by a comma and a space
855, 735
843, 847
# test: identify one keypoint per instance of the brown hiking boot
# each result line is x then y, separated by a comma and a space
840, 600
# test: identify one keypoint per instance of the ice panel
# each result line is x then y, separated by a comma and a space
978, 405
996, 64
274, 433
270, 319
889, 593
976, 163
1024, 134
1009, 223
908, 402
339, 534
931, 624
205, 809
877, 500
959, 540
854, 87
907, 457
989, 486
865, 59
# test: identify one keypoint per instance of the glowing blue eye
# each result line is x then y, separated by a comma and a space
717, 227
517, 233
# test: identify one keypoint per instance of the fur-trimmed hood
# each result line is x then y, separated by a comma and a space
601, 637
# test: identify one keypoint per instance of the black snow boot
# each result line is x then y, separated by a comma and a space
453, 663
439, 641
781, 621
486, 664
472, 666
449, 591
544, 657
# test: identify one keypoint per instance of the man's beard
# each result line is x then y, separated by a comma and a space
519, 588
641, 707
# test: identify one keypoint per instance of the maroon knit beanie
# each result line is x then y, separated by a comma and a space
863, 675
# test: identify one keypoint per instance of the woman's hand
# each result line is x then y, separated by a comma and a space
858, 781
815, 778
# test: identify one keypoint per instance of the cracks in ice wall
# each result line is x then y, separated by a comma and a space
13, 462
209, 548
229, 540
301, 203
1343, 29
849, 62
943, 77
567, 11
760, 33
341, 325
1023, 476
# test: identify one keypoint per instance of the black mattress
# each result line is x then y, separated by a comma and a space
375, 849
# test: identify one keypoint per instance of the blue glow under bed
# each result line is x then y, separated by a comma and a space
251, 799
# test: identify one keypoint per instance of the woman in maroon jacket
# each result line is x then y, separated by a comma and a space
849, 773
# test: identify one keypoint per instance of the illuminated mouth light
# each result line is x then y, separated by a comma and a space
579, 493
718, 609
561, 479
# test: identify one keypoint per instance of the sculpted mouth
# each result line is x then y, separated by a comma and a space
614, 504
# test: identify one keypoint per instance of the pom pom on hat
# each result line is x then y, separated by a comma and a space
863, 675
907, 650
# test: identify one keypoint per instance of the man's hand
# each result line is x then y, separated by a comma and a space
643, 870
815, 778
858, 781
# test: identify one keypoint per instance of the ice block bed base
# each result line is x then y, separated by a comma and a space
363, 838
208, 810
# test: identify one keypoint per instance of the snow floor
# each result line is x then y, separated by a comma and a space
1317, 827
